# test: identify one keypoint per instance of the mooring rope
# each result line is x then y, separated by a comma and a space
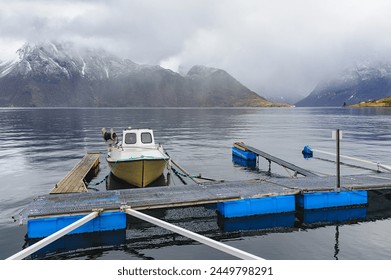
96, 184
178, 173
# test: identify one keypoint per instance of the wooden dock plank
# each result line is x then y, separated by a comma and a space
73, 182
277, 160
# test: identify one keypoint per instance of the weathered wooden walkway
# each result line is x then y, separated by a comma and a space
73, 182
189, 195
276, 160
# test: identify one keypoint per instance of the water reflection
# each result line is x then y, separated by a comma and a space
70, 246
336, 246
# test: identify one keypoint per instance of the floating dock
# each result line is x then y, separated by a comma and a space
254, 197
84, 171
69, 200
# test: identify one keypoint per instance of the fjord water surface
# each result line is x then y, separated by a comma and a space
40, 145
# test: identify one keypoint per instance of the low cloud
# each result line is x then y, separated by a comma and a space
273, 47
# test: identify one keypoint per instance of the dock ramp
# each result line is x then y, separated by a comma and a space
270, 158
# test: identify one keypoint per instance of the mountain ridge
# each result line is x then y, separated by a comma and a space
360, 82
59, 74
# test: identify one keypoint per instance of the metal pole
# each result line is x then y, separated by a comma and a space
338, 162
51, 238
202, 239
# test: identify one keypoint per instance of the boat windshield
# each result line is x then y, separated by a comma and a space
146, 138
130, 138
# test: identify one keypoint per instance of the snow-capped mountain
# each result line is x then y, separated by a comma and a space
361, 82
64, 61
61, 74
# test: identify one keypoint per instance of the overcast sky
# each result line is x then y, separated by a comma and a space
272, 47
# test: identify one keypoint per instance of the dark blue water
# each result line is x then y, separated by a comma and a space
39, 146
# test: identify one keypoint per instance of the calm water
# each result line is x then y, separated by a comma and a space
39, 146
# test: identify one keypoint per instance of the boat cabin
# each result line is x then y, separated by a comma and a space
133, 137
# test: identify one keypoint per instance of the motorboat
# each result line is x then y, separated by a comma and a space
135, 159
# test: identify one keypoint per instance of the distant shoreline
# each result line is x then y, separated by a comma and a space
384, 102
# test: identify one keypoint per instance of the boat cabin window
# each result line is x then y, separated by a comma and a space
130, 138
146, 138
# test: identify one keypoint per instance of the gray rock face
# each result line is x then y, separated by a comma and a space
59, 74
364, 81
